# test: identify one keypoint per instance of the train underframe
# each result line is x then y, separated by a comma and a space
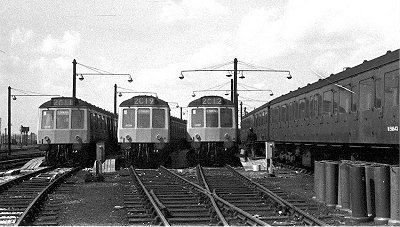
304, 155
70, 155
146, 155
212, 154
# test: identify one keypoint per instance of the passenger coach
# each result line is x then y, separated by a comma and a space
70, 128
148, 133
211, 131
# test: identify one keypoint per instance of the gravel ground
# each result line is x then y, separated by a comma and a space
95, 203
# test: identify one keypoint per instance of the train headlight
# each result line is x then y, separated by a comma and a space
197, 136
226, 136
47, 139
78, 138
129, 138
158, 137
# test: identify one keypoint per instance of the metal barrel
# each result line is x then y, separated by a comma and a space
382, 194
331, 183
370, 189
358, 194
344, 187
394, 196
319, 180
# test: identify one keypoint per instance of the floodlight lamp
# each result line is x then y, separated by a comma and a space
289, 76
120, 94
130, 79
14, 97
81, 78
193, 95
181, 77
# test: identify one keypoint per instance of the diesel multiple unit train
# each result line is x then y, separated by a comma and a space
351, 114
147, 132
70, 128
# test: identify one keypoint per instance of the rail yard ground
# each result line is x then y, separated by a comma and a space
91, 202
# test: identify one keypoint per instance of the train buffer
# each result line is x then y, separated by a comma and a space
256, 164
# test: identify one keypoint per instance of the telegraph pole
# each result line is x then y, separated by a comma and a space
235, 98
74, 79
9, 120
115, 98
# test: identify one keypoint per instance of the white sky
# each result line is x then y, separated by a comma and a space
154, 40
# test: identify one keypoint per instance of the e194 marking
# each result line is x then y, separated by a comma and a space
393, 128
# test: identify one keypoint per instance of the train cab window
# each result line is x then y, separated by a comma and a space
354, 98
226, 117
158, 118
47, 119
378, 93
143, 117
212, 117
312, 105
77, 119
392, 89
197, 118
62, 119
128, 118
344, 100
366, 94
327, 104
302, 108
335, 102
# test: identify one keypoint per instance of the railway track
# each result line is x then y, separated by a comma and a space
22, 198
220, 197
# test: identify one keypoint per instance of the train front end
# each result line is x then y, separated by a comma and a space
211, 129
143, 131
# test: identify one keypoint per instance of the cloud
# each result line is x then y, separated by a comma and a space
188, 9
19, 36
65, 46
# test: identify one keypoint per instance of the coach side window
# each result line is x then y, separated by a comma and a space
197, 118
158, 118
47, 119
143, 117
327, 104
226, 118
302, 108
62, 119
354, 98
77, 119
366, 94
392, 89
335, 102
128, 118
378, 93
212, 117
344, 100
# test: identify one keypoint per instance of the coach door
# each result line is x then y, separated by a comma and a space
391, 106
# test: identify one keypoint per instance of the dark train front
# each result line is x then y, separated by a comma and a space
148, 133
351, 115
211, 130
70, 128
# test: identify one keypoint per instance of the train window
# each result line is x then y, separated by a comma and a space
226, 117
197, 118
295, 110
312, 105
344, 100
211, 117
307, 115
366, 93
143, 117
378, 93
283, 113
302, 108
318, 104
77, 119
327, 104
290, 111
62, 119
335, 101
354, 98
47, 119
158, 118
392, 89
128, 118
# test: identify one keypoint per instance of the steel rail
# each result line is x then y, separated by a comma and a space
264, 190
221, 217
28, 214
5, 185
232, 207
159, 213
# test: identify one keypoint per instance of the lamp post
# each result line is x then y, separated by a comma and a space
75, 74
235, 72
14, 97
